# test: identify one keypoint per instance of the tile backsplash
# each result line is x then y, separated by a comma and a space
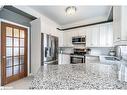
100, 50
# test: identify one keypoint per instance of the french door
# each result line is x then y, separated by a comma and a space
13, 52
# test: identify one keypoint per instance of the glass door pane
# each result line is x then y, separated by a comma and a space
16, 32
22, 34
8, 61
21, 68
16, 41
8, 31
8, 51
16, 60
16, 51
9, 72
21, 42
21, 51
16, 70
8, 41
21, 59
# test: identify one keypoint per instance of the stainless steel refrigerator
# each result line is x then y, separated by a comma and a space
49, 49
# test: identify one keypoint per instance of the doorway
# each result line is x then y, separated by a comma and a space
13, 52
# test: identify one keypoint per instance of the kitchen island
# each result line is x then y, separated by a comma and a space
78, 77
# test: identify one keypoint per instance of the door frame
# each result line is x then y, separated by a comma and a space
28, 45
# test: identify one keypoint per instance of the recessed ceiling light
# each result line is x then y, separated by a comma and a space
71, 10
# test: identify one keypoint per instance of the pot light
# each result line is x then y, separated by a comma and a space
71, 10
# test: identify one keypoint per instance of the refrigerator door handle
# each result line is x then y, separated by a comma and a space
46, 51
50, 51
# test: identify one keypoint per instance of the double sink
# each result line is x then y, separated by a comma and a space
112, 58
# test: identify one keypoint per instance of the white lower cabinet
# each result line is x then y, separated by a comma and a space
64, 59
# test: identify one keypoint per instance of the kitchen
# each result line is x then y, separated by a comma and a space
96, 43
73, 50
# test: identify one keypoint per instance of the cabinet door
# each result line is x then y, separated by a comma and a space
88, 37
69, 40
66, 59
92, 36
61, 39
82, 32
103, 34
65, 38
60, 59
106, 35
95, 36
116, 24
109, 36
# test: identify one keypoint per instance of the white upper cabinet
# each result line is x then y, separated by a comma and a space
106, 35
116, 23
67, 39
95, 36
92, 36
82, 32
109, 37
61, 39
100, 35
88, 37
119, 24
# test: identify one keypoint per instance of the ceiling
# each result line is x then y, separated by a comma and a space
13, 9
57, 13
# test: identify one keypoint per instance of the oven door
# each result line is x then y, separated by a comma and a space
77, 59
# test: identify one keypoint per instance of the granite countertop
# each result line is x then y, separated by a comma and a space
103, 60
77, 76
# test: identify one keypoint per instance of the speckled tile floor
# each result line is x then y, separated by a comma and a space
24, 84
77, 77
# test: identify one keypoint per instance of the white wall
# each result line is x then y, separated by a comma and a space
0, 53
38, 26
35, 45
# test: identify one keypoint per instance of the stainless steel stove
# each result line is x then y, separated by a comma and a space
78, 56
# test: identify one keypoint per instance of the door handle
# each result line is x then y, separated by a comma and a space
4, 56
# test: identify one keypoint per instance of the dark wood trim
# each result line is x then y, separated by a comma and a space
3, 39
84, 25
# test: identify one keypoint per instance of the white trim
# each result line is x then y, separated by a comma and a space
7, 21
28, 62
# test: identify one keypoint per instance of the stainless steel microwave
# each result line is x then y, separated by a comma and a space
79, 40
